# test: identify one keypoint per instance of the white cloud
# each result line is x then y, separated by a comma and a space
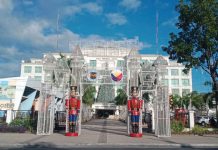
92, 8
130, 4
170, 22
116, 18
6, 5
146, 45
7, 52
11, 66
23, 37
71, 10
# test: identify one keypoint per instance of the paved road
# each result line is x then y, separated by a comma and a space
107, 135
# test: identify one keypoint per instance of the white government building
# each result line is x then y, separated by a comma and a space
177, 81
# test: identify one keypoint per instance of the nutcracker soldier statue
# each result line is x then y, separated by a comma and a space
135, 106
73, 110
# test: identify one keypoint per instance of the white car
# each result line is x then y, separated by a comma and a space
203, 120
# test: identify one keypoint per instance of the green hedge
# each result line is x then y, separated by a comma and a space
22, 122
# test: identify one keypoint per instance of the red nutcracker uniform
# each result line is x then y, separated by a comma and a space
134, 107
73, 106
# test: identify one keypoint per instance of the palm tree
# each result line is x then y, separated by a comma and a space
177, 103
197, 100
186, 100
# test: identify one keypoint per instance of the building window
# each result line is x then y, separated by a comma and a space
165, 72
38, 69
93, 63
174, 72
151, 61
165, 82
185, 92
185, 82
142, 61
120, 63
175, 91
38, 78
27, 69
175, 82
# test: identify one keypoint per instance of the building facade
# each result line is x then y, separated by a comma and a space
178, 82
17, 96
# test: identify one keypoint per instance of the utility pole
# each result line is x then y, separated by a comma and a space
157, 16
57, 30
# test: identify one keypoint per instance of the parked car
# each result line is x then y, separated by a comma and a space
203, 120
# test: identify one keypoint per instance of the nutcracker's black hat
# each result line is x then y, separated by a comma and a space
134, 88
73, 88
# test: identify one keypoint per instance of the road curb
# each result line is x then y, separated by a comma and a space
107, 145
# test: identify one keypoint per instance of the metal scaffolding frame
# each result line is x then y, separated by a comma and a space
161, 102
105, 48
56, 82
47, 98
60, 74
46, 111
76, 64
157, 95
148, 78
133, 69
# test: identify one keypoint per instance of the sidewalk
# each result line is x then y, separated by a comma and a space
112, 140
105, 133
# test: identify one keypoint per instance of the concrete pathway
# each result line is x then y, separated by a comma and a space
105, 133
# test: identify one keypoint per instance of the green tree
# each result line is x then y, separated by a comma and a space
121, 98
197, 100
195, 44
106, 94
177, 103
89, 95
185, 100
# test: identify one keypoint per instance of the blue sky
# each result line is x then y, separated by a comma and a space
28, 27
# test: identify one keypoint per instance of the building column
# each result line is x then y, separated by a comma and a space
9, 116
191, 119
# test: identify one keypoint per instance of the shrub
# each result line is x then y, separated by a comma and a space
198, 130
177, 126
22, 122
18, 125
14, 129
